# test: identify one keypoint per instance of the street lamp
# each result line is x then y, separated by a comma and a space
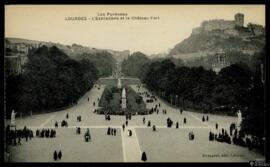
176, 99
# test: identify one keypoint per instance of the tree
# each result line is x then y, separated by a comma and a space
108, 97
50, 80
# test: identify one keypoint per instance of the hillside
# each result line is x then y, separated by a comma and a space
71, 50
201, 44
103, 61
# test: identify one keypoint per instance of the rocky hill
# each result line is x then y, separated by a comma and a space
201, 44
213, 36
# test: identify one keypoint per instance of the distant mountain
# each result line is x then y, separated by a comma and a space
71, 50
103, 59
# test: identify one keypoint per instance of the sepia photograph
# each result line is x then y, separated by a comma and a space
135, 83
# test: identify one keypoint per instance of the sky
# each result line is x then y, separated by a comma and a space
170, 24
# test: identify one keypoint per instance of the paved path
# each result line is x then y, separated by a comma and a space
131, 148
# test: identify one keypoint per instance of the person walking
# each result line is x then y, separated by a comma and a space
126, 122
143, 120
109, 131
154, 128
144, 158
123, 126
55, 155
59, 155
149, 124
177, 125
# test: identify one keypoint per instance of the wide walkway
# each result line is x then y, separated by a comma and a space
124, 148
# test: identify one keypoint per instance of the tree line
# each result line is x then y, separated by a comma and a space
50, 80
238, 86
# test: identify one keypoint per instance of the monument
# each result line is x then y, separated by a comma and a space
124, 99
119, 85
239, 119
12, 120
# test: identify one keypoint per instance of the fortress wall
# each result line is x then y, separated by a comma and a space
232, 32
218, 24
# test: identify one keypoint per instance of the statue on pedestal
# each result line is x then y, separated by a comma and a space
12, 120
119, 85
239, 119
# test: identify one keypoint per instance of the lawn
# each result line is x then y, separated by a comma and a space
114, 105
113, 82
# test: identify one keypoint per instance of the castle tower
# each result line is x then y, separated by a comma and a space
239, 19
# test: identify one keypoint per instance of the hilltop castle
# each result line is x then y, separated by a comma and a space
230, 27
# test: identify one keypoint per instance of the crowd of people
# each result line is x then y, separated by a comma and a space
48, 133
14, 136
111, 131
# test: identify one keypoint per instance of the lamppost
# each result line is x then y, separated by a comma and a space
176, 99
171, 100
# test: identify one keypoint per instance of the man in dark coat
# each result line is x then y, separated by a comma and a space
203, 119
114, 132
37, 132
123, 126
109, 131
154, 128
144, 158
55, 155
149, 124
59, 154
56, 124
143, 120
185, 120
207, 118
67, 116
126, 123
216, 125
177, 125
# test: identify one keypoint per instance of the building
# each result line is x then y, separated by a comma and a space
16, 56
220, 61
221, 24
